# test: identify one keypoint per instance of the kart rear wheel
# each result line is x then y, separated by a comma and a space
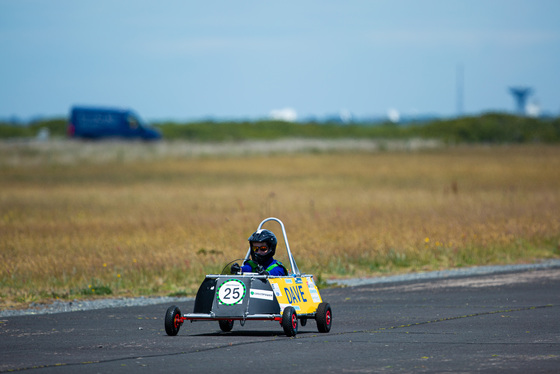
290, 321
226, 325
173, 320
324, 317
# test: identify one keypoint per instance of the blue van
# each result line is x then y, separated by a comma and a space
97, 123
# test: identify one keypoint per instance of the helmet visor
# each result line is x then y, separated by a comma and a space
260, 249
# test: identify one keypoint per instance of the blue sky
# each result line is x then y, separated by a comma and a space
185, 60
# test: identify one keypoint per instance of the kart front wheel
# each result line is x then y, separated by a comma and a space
290, 321
173, 320
226, 325
324, 317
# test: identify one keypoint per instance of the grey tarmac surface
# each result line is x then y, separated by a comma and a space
506, 322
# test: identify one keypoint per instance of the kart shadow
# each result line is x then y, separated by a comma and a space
251, 333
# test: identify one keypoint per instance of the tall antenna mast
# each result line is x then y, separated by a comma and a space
459, 82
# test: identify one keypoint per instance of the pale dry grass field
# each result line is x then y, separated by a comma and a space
121, 222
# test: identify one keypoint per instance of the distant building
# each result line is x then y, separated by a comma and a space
285, 114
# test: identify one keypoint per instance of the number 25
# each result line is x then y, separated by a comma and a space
233, 292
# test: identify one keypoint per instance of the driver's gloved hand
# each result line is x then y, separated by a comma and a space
261, 270
235, 268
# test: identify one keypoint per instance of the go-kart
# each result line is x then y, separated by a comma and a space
290, 300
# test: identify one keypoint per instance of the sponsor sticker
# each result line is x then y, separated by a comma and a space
314, 295
276, 290
310, 282
261, 294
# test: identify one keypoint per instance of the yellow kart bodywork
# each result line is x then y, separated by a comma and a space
299, 292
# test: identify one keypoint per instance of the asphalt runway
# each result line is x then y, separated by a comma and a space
492, 323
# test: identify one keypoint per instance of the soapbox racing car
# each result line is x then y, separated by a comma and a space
290, 300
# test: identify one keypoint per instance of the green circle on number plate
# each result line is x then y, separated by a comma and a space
231, 292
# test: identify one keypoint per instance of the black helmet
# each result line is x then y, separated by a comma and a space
264, 236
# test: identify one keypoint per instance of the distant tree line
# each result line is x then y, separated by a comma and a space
486, 128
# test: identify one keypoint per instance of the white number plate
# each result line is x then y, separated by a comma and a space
231, 292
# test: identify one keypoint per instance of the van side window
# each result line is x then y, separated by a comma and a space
132, 122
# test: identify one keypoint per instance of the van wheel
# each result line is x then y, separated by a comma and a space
290, 321
173, 320
324, 317
226, 325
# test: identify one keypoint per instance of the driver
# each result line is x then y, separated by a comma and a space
263, 247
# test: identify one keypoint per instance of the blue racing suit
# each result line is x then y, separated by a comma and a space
273, 267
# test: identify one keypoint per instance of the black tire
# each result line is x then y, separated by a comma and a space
290, 321
172, 320
303, 321
226, 325
324, 317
